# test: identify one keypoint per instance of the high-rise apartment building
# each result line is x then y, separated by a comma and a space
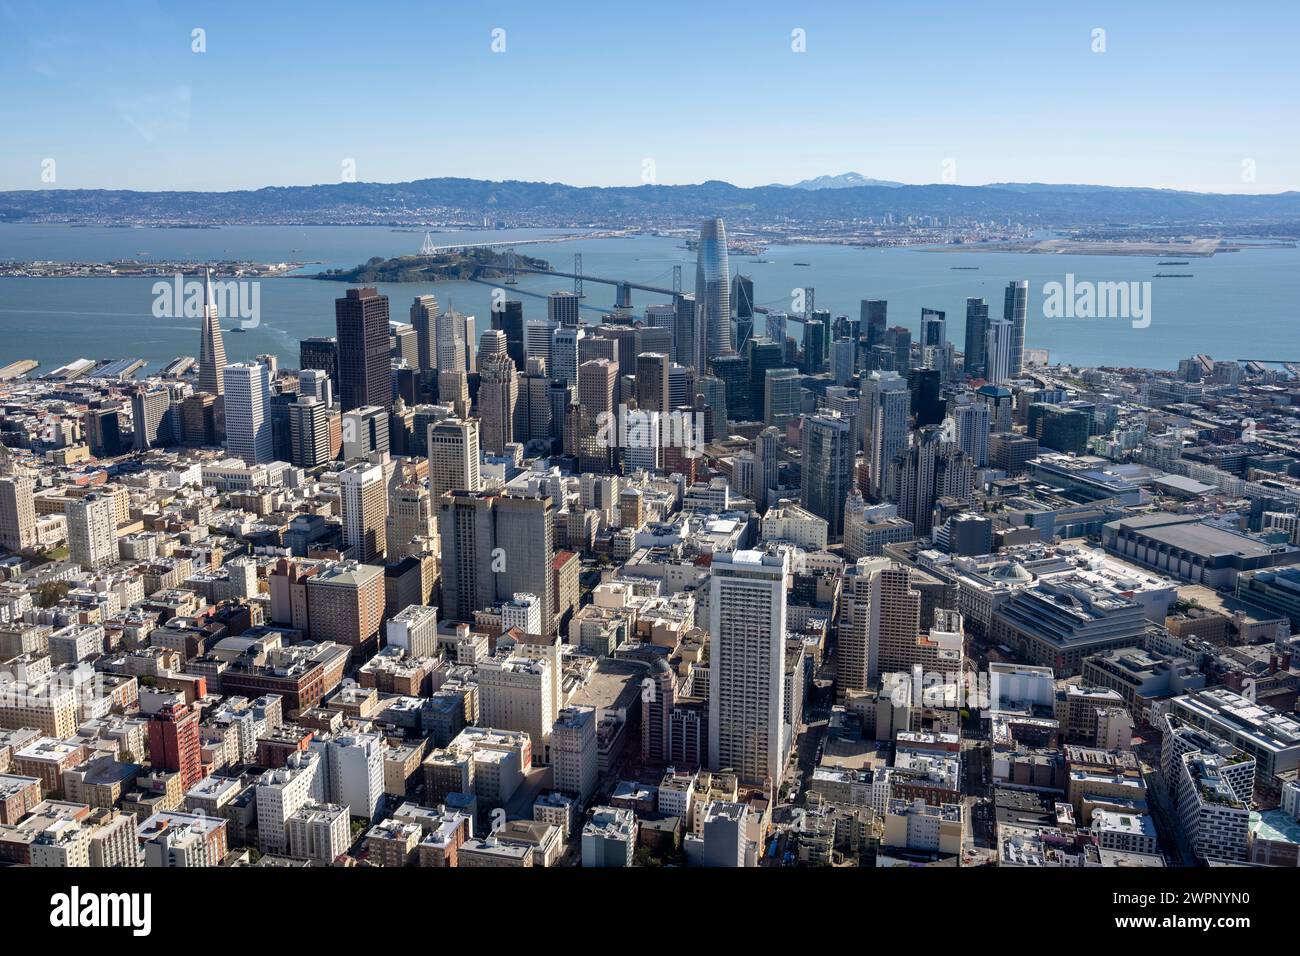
747, 618
886, 403
174, 743
1015, 309
977, 330
92, 531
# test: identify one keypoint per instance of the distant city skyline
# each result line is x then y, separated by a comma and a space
121, 99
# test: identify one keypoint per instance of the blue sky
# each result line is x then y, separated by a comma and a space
1186, 95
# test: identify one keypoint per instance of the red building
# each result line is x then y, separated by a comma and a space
174, 743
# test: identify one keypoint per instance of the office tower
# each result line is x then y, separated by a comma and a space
653, 392
563, 361
971, 424
848, 403
403, 345
742, 300
562, 309
597, 436
713, 292
322, 354
17, 506
424, 319
412, 520
934, 328
453, 391
762, 356
174, 743
509, 318
198, 420
714, 391
451, 343
844, 356
92, 531
152, 418
453, 445
212, 351
852, 653
828, 454
103, 431
681, 385
1011, 452
747, 619
685, 339
1059, 427
781, 395
899, 342
493, 547
364, 498
977, 333
538, 336
598, 346
895, 620
309, 432
365, 433
247, 407
767, 454
954, 474
498, 396
814, 345
315, 383
492, 343
925, 385
277, 412
365, 372
886, 403
533, 414
575, 758
872, 321
998, 353
661, 315
915, 481
744, 475
733, 371
652, 399
1015, 308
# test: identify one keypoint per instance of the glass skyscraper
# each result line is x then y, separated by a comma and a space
713, 291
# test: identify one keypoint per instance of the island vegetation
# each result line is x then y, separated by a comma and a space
476, 262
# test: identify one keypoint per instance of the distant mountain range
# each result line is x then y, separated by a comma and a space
555, 204
842, 181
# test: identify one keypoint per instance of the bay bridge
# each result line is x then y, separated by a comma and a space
624, 287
